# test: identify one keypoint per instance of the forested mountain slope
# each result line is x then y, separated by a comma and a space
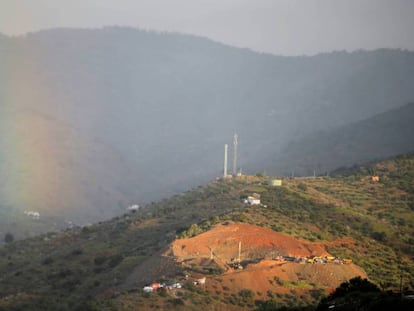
387, 134
95, 120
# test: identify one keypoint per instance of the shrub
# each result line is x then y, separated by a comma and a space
115, 260
162, 292
246, 293
99, 260
278, 280
269, 305
379, 236
177, 302
64, 273
189, 286
47, 261
356, 284
8, 237
192, 231
302, 187
77, 252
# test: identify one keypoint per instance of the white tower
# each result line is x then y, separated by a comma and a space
225, 160
235, 155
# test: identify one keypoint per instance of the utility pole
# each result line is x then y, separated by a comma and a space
239, 252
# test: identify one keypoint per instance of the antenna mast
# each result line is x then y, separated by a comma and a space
235, 155
225, 160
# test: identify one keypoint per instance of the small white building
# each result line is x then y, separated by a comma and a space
32, 214
254, 199
176, 285
275, 182
133, 207
148, 289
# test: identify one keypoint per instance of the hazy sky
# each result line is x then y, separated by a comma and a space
287, 27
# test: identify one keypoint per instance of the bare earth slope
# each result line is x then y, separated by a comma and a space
224, 240
259, 248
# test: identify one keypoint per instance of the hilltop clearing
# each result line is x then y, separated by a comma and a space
265, 256
256, 242
271, 264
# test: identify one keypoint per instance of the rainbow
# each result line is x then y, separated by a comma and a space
30, 176
45, 165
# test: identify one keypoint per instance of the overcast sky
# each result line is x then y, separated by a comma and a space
287, 27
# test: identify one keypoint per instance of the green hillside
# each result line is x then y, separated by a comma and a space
91, 267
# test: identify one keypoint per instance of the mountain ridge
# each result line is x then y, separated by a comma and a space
383, 135
164, 105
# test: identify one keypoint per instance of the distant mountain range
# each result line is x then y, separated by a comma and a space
94, 120
387, 134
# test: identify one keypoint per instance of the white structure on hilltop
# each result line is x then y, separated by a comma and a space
133, 207
235, 142
235, 173
253, 199
33, 214
225, 160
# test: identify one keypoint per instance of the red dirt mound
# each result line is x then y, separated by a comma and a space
256, 242
259, 246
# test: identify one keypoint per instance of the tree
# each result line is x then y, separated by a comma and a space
269, 305
356, 284
379, 236
191, 232
8, 238
356, 294
194, 230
